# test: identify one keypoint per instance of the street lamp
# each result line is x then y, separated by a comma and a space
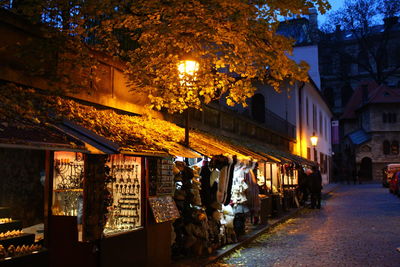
187, 69
314, 142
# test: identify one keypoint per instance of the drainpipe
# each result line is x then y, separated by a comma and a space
301, 117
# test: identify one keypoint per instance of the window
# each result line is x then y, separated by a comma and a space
345, 63
308, 153
258, 108
395, 147
307, 117
322, 162
320, 124
315, 127
384, 60
392, 117
386, 147
346, 93
362, 60
389, 117
329, 95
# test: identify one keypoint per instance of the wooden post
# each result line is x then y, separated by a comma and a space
93, 197
48, 193
187, 127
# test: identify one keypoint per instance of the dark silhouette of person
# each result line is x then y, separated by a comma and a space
303, 185
361, 175
315, 186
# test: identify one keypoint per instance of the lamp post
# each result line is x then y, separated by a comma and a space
314, 142
187, 70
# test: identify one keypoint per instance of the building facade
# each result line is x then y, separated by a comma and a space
311, 111
371, 131
348, 57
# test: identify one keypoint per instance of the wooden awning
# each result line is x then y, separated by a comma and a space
37, 136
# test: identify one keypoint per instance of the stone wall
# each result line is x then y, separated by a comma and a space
377, 124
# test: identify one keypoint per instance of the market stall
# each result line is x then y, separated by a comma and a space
25, 154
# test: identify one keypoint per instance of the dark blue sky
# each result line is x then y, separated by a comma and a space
335, 5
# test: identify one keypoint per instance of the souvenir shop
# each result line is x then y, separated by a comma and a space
24, 223
81, 195
72, 197
74, 203
220, 196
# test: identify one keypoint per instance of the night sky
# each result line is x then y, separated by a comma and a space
336, 4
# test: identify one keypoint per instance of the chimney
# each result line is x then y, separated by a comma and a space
364, 89
313, 20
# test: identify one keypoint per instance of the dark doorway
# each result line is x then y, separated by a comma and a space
258, 108
365, 172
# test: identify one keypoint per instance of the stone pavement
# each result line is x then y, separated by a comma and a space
358, 226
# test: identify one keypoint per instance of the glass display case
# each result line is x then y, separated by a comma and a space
264, 177
14, 240
123, 184
68, 183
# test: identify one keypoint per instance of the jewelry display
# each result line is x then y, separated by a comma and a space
13, 251
123, 183
68, 182
5, 220
14, 242
164, 208
12, 233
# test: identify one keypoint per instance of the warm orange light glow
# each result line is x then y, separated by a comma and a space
314, 140
188, 67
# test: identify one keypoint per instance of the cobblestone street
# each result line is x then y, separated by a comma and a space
359, 225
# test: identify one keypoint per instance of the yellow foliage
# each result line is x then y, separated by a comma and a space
233, 41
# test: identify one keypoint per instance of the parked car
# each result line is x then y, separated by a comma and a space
389, 178
394, 184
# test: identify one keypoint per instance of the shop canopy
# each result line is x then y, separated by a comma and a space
268, 153
258, 148
114, 132
147, 135
294, 158
27, 135
111, 132
209, 145
106, 130
98, 129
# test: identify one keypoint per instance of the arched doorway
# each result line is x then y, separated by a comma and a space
365, 173
258, 108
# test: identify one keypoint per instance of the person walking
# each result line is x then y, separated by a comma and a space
303, 185
315, 180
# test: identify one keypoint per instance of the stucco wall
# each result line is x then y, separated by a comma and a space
305, 130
